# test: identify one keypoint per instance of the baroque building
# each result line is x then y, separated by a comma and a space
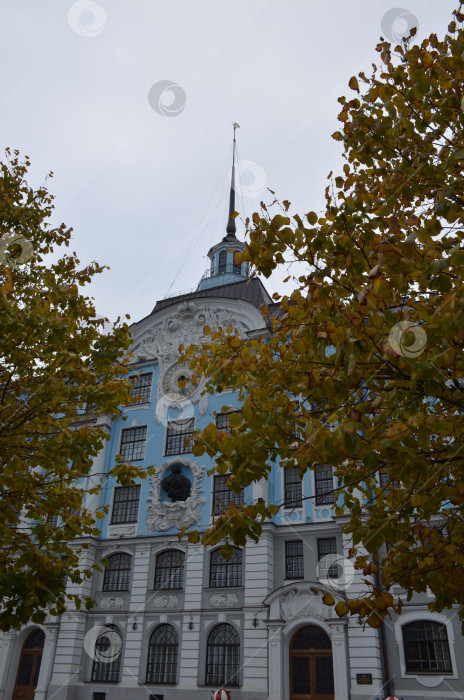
174, 620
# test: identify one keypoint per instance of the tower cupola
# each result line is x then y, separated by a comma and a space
224, 269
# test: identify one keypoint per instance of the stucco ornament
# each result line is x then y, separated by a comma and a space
162, 515
161, 342
302, 602
107, 603
223, 600
165, 601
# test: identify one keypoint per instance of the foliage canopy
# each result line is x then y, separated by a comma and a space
381, 402
55, 363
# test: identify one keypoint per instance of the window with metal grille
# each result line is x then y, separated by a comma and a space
133, 442
141, 387
386, 482
162, 655
293, 489
169, 569
125, 504
426, 648
117, 573
222, 262
223, 656
53, 520
107, 656
294, 562
323, 479
225, 573
327, 556
223, 495
179, 436
222, 421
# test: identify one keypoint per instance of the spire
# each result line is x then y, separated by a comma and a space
231, 228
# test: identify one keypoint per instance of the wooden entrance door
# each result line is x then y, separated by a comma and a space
311, 667
29, 666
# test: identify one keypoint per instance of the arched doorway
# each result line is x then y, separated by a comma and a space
311, 667
29, 666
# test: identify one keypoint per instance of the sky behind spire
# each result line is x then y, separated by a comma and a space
131, 105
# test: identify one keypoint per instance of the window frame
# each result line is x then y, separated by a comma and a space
170, 568
330, 572
121, 580
136, 391
163, 646
230, 567
222, 262
289, 503
127, 431
106, 668
424, 644
289, 557
425, 679
236, 498
117, 490
171, 440
218, 678
323, 498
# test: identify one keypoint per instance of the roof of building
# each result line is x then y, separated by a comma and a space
251, 291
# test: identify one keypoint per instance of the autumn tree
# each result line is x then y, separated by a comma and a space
58, 371
364, 366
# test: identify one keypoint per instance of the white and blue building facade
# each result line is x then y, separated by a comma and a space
174, 620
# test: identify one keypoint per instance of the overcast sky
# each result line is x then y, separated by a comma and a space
131, 105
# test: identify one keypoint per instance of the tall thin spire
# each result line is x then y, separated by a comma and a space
231, 228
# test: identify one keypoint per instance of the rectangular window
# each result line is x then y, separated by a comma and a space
327, 556
294, 565
323, 479
222, 495
141, 387
293, 489
133, 443
179, 436
125, 504
222, 421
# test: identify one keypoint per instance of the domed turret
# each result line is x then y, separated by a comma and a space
224, 269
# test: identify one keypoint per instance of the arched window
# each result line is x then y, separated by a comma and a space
29, 665
225, 573
236, 268
117, 573
223, 655
426, 648
162, 655
107, 655
222, 262
169, 569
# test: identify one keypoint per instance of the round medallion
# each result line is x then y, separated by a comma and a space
176, 382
